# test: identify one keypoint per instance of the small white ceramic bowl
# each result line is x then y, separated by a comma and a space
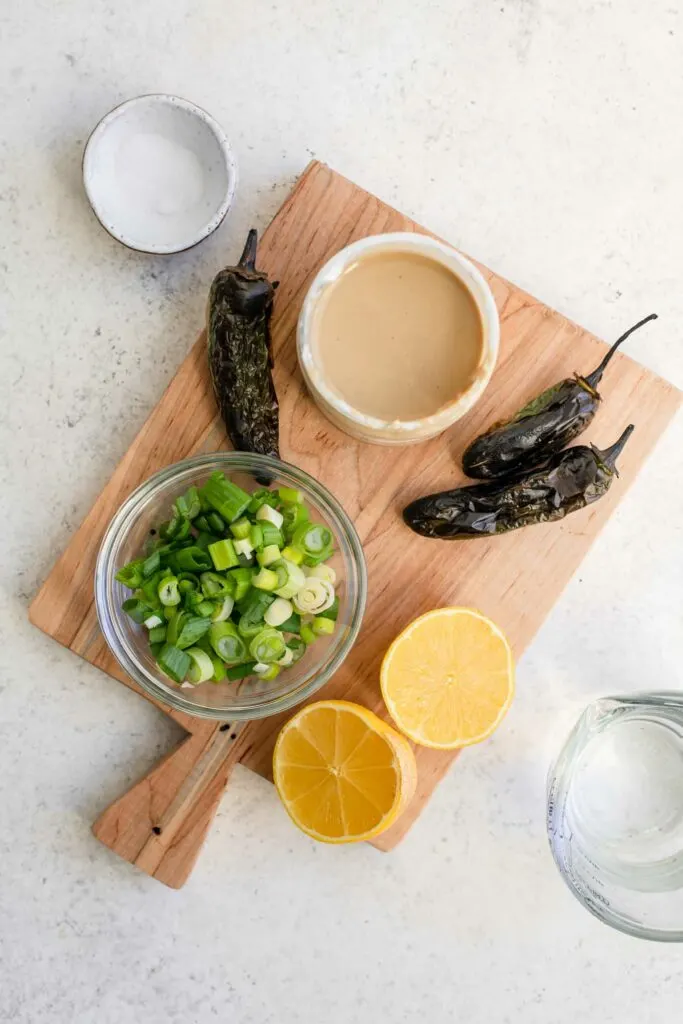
333, 404
159, 173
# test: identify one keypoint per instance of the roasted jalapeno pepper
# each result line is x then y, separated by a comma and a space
572, 479
240, 359
544, 426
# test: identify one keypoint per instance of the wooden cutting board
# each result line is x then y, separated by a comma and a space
407, 574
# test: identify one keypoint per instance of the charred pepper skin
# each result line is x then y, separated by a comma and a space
543, 427
572, 479
240, 356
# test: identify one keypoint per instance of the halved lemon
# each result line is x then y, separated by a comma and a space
448, 678
342, 773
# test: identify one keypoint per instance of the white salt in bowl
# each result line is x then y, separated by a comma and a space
159, 173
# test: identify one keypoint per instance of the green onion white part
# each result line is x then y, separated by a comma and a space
270, 515
278, 612
314, 596
322, 572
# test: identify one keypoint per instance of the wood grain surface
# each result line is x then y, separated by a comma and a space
407, 574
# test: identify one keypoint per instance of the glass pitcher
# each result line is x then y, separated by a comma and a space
615, 813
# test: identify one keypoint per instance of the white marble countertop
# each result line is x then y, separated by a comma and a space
543, 137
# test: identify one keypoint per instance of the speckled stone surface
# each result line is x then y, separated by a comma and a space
544, 139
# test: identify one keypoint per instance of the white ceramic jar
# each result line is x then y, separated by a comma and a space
333, 404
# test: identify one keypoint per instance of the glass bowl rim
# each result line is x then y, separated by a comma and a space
124, 518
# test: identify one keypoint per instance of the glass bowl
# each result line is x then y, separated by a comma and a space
149, 505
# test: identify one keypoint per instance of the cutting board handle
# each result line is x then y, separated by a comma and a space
161, 823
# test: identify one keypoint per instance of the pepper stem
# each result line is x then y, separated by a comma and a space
610, 455
596, 376
248, 257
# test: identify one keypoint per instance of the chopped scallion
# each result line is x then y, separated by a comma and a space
267, 646
229, 500
227, 643
223, 554
168, 591
188, 505
174, 662
266, 579
241, 528
201, 666
322, 626
267, 514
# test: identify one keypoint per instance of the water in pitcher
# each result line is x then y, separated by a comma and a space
615, 813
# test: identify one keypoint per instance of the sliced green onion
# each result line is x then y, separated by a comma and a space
322, 626
168, 592
174, 662
271, 672
292, 624
243, 547
188, 505
279, 611
170, 612
255, 603
229, 500
241, 528
151, 565
322, 572
188, 577
262, 497
267, 514
190, 630
249, 626
192, 559
267, 646
216, 523
153, 620
203, 540
332, 612
177, 528
307, 634
202, 524
298, 648
131, 575
293, 555
271, 535
218, 668
150, 586
294, 580
175, 624
293, 517
240, 671
201, 667
214, 585
290, 495
256, 536
137, 610
158, 634
222, 609
314, 596
206, 608
287, 658
266, 579
223, 554
227, 643
313, 539
155, 650
268, 555
242, 581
